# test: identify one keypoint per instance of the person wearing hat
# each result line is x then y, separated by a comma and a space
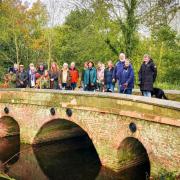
90, 77
21, 77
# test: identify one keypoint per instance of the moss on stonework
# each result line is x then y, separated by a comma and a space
166, 175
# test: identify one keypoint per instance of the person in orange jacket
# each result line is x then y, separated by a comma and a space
74, 75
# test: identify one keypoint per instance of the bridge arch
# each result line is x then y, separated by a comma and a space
132, 152
71, 146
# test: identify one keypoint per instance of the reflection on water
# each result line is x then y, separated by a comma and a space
69, 159
9, 152
73, 159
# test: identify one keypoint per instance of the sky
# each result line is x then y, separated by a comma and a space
60, 9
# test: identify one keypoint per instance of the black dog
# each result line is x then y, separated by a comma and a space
108, 90
158, 93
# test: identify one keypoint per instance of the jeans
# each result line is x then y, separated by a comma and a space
110, 86
126, 91
147, 93
73, 85
64, 85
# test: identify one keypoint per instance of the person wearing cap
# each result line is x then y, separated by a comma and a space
21, 77
90, 77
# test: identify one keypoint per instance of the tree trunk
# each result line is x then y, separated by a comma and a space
49, 50
17, 48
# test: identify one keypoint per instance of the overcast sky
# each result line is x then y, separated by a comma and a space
58, 10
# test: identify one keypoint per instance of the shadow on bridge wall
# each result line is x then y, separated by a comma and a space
72, 154
132, 153
58, 129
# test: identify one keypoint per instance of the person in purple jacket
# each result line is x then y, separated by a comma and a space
126, 78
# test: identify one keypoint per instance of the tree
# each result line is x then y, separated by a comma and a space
22, 31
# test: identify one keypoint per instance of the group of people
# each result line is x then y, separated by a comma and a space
40, 77
104, 78
101, 78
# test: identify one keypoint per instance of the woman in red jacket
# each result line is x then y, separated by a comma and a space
74, 75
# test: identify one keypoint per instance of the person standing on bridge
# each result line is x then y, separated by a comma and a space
53, 75
100, 76
108, 77
74, 75
118, 69
147, 75
82, 74
40, 71
90, 77
21, 77
65, 77
39, 75
126, 78
15, 68
31, 76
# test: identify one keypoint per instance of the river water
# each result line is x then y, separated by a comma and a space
71, 159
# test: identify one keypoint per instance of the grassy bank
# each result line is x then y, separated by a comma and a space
167, 86
164, 86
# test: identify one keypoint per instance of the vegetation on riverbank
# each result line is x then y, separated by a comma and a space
165, 175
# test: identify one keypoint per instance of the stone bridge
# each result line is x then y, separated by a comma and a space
110, 121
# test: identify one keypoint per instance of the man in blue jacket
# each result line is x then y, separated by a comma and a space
119, 68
